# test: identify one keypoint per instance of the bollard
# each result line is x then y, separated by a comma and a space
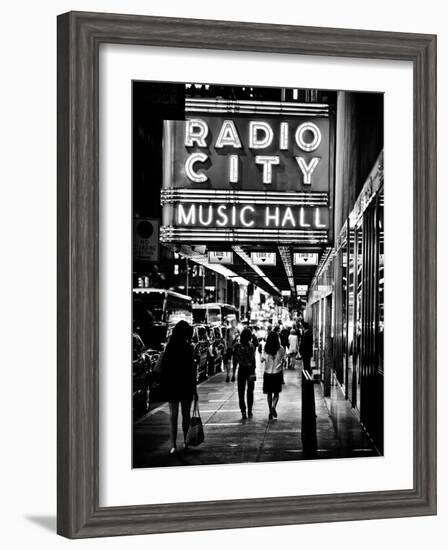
309, 437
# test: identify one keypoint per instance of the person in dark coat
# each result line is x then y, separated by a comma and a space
255, 342
244, 356
229, 342
306, 346
284, 335
178, 378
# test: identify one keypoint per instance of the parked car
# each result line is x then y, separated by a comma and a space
216, 337
141, 376
202, 353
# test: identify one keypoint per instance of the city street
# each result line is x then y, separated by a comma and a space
242, 222
229, 439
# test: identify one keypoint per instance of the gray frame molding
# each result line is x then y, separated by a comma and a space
79, 37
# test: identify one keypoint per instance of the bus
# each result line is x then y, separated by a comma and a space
214, 314
156, 311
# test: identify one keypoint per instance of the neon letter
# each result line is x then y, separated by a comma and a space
317, 219
201, 217
288, 217
222, 213
242, 218
189, 163
233, 215
283, 136
260, 143
302, 219
317, 136
228, 136
196, 130
186, 219
307, 169
267, 162
275, 217
233, 169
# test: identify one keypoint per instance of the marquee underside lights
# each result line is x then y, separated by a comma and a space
217, 196
243, 255
201, 258
170, 234
285, 255
220, 106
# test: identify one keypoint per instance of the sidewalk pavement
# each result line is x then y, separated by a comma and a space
229, 439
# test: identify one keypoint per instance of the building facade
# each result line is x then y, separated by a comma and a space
346, 297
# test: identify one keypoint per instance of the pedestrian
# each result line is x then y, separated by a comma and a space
284, 335
255, 341
178, 378
273, 358
244, 357
293, 348
306, 346
229, 342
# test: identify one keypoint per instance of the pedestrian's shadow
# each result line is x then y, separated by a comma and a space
46, 522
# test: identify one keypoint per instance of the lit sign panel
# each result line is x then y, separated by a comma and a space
248, 176
305, 258
264, 258
301, 290
220, 257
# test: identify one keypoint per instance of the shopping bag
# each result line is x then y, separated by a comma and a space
195, 434
157, 370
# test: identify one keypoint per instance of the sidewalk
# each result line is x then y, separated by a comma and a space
229, 439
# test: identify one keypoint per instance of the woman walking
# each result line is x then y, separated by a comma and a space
273, 358
231, 335
293, 348
244, 356
178, 378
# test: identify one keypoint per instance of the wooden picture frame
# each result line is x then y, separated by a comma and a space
79, 38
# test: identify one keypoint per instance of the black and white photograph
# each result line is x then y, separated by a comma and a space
258, 274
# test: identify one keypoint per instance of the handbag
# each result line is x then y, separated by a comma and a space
195, 434
252, 377
157, 371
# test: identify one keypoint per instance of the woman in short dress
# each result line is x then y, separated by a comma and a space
273, 358
293, 348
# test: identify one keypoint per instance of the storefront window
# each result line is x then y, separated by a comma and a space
344, 257
358, 281
351, 295
340, 312
381, 283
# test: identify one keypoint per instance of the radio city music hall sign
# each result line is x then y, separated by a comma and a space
245, 173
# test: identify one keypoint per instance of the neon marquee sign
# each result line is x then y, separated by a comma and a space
239, 174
